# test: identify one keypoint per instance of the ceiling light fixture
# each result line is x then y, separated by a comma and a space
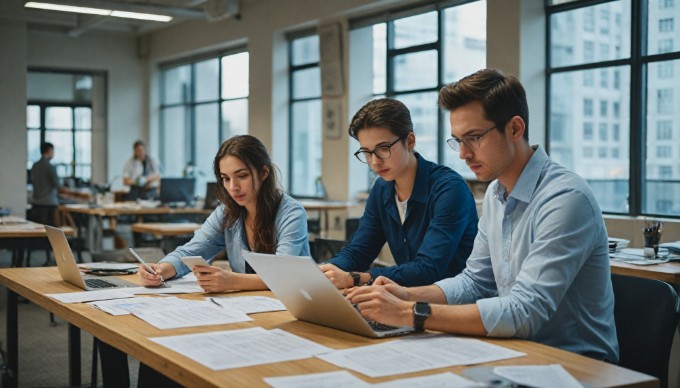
98, 11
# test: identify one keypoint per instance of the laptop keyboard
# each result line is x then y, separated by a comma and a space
98, 283
376, 326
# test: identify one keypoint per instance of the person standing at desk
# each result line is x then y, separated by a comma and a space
141, 173
46, 188
424, 211
539, 269
254, 215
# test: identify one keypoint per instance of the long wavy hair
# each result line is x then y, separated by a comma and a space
254, 155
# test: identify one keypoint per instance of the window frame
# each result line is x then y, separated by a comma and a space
638, 62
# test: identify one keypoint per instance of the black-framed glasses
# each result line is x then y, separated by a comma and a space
470, 141
382, 152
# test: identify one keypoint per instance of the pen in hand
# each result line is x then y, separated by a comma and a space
148, 267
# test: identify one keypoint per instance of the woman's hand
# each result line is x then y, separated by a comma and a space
340, 278
214, 279
166, 270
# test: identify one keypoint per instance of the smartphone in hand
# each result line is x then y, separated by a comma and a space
193, 261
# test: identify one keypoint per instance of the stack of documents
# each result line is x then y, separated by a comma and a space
108, 269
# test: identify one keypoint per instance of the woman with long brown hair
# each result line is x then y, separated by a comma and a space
254, 215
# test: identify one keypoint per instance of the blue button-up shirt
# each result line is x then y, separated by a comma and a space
435, 239
539, 268
290, 229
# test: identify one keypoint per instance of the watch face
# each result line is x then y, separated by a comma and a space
422, 308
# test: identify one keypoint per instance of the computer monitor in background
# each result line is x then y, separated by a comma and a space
211, 201
175, 191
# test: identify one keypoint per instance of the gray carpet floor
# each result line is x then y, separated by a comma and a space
43, 350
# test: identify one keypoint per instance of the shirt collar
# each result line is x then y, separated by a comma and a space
421, 186
528, 180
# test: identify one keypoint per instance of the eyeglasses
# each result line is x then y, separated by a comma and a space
470, 141
382, 152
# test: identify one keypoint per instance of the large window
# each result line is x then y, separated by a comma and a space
203, 103
69, 128
637, 80
305, 115
418, 51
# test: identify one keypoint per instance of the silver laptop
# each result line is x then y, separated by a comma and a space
310, 296
68, 269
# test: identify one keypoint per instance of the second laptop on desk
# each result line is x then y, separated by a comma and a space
310, 296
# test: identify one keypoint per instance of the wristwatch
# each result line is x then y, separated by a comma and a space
421, 311
356, 278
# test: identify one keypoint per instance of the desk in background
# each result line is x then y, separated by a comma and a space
166, 231
666, 272
323, 207
131, 335
18, 235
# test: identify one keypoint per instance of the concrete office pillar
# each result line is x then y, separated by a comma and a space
13, 138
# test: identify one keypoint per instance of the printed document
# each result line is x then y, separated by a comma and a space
338, 379
553, 375
440, 380
417, 354
198, 313
87, 296
124, 306
240, 348
249, 304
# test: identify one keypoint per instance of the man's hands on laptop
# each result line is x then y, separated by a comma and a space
385, 301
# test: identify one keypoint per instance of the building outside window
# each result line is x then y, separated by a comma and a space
204, 101
634, 180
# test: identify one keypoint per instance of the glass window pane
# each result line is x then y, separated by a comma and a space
33, 147
573, 41
415, 30
174, 140
578, 134
176, 85
464, 42
379, 58
58, 118
83, 147
83, 118
305, 146
307, 83
235, 72
305, 50
663, 32
234, 118
207, 76
424, 113
63, 150
84, 171
415, 71
33, 116
206, 144
662, 180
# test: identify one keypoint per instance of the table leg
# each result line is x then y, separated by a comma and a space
74, 355
12, 341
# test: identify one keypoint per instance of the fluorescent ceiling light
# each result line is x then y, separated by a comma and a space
142, 16
68, 8
98, 11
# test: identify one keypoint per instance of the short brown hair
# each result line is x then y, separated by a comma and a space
502, 97
386, 113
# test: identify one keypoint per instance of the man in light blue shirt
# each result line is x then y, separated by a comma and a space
539, 268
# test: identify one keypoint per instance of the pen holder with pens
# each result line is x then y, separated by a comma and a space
652, 233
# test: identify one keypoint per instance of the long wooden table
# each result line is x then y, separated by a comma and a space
18, 235
667, 272
131, 335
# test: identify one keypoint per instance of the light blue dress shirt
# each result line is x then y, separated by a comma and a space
539, 268
291, 238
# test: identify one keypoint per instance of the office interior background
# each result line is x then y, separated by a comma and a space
602, 78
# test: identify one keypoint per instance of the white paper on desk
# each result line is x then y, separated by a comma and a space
124, 306
439, 380
337, 379
250, 304
87, 296
240, 348
417, 354
197, 314
176, 289
553, 375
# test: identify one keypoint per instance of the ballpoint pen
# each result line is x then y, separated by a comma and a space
148, 267
215, 302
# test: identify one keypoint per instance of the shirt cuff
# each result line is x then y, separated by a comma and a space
496, 322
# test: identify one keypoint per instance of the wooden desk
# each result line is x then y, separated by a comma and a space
667, 272
131, 335
165, 229
323, 207
97, 214
18, 235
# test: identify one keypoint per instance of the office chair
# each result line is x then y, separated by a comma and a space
324, 249
646, 313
